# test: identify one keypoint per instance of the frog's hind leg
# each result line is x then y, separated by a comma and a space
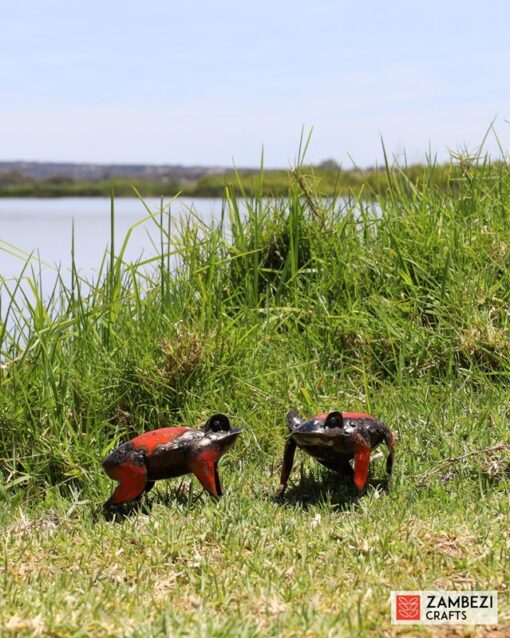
132, 476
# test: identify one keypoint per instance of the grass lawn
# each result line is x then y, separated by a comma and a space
318, 305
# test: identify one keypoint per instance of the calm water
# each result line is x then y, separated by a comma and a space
44, 227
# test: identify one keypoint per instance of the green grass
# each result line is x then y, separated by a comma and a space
298, 302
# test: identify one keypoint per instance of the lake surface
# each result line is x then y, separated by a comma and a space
44, 227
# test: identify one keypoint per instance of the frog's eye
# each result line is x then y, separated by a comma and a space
334, 420
217, 423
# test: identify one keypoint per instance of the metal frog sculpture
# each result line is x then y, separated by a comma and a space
334, 439
170, 452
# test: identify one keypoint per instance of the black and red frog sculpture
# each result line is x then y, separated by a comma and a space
169, 452
334, 439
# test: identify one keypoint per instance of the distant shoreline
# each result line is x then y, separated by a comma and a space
328, 181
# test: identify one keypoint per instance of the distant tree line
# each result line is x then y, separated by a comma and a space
328, 179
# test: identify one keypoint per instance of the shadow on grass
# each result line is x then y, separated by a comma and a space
331, 488
120, 513
181, 494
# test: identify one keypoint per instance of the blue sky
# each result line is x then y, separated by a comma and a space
211, 81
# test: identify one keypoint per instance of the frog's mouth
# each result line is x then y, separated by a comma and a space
325, 438
225, 439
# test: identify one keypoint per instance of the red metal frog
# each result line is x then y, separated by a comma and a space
170, 452
334, 439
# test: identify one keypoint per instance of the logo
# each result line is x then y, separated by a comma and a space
408, 607
444, 607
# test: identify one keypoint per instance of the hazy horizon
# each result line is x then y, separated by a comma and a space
211, 84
